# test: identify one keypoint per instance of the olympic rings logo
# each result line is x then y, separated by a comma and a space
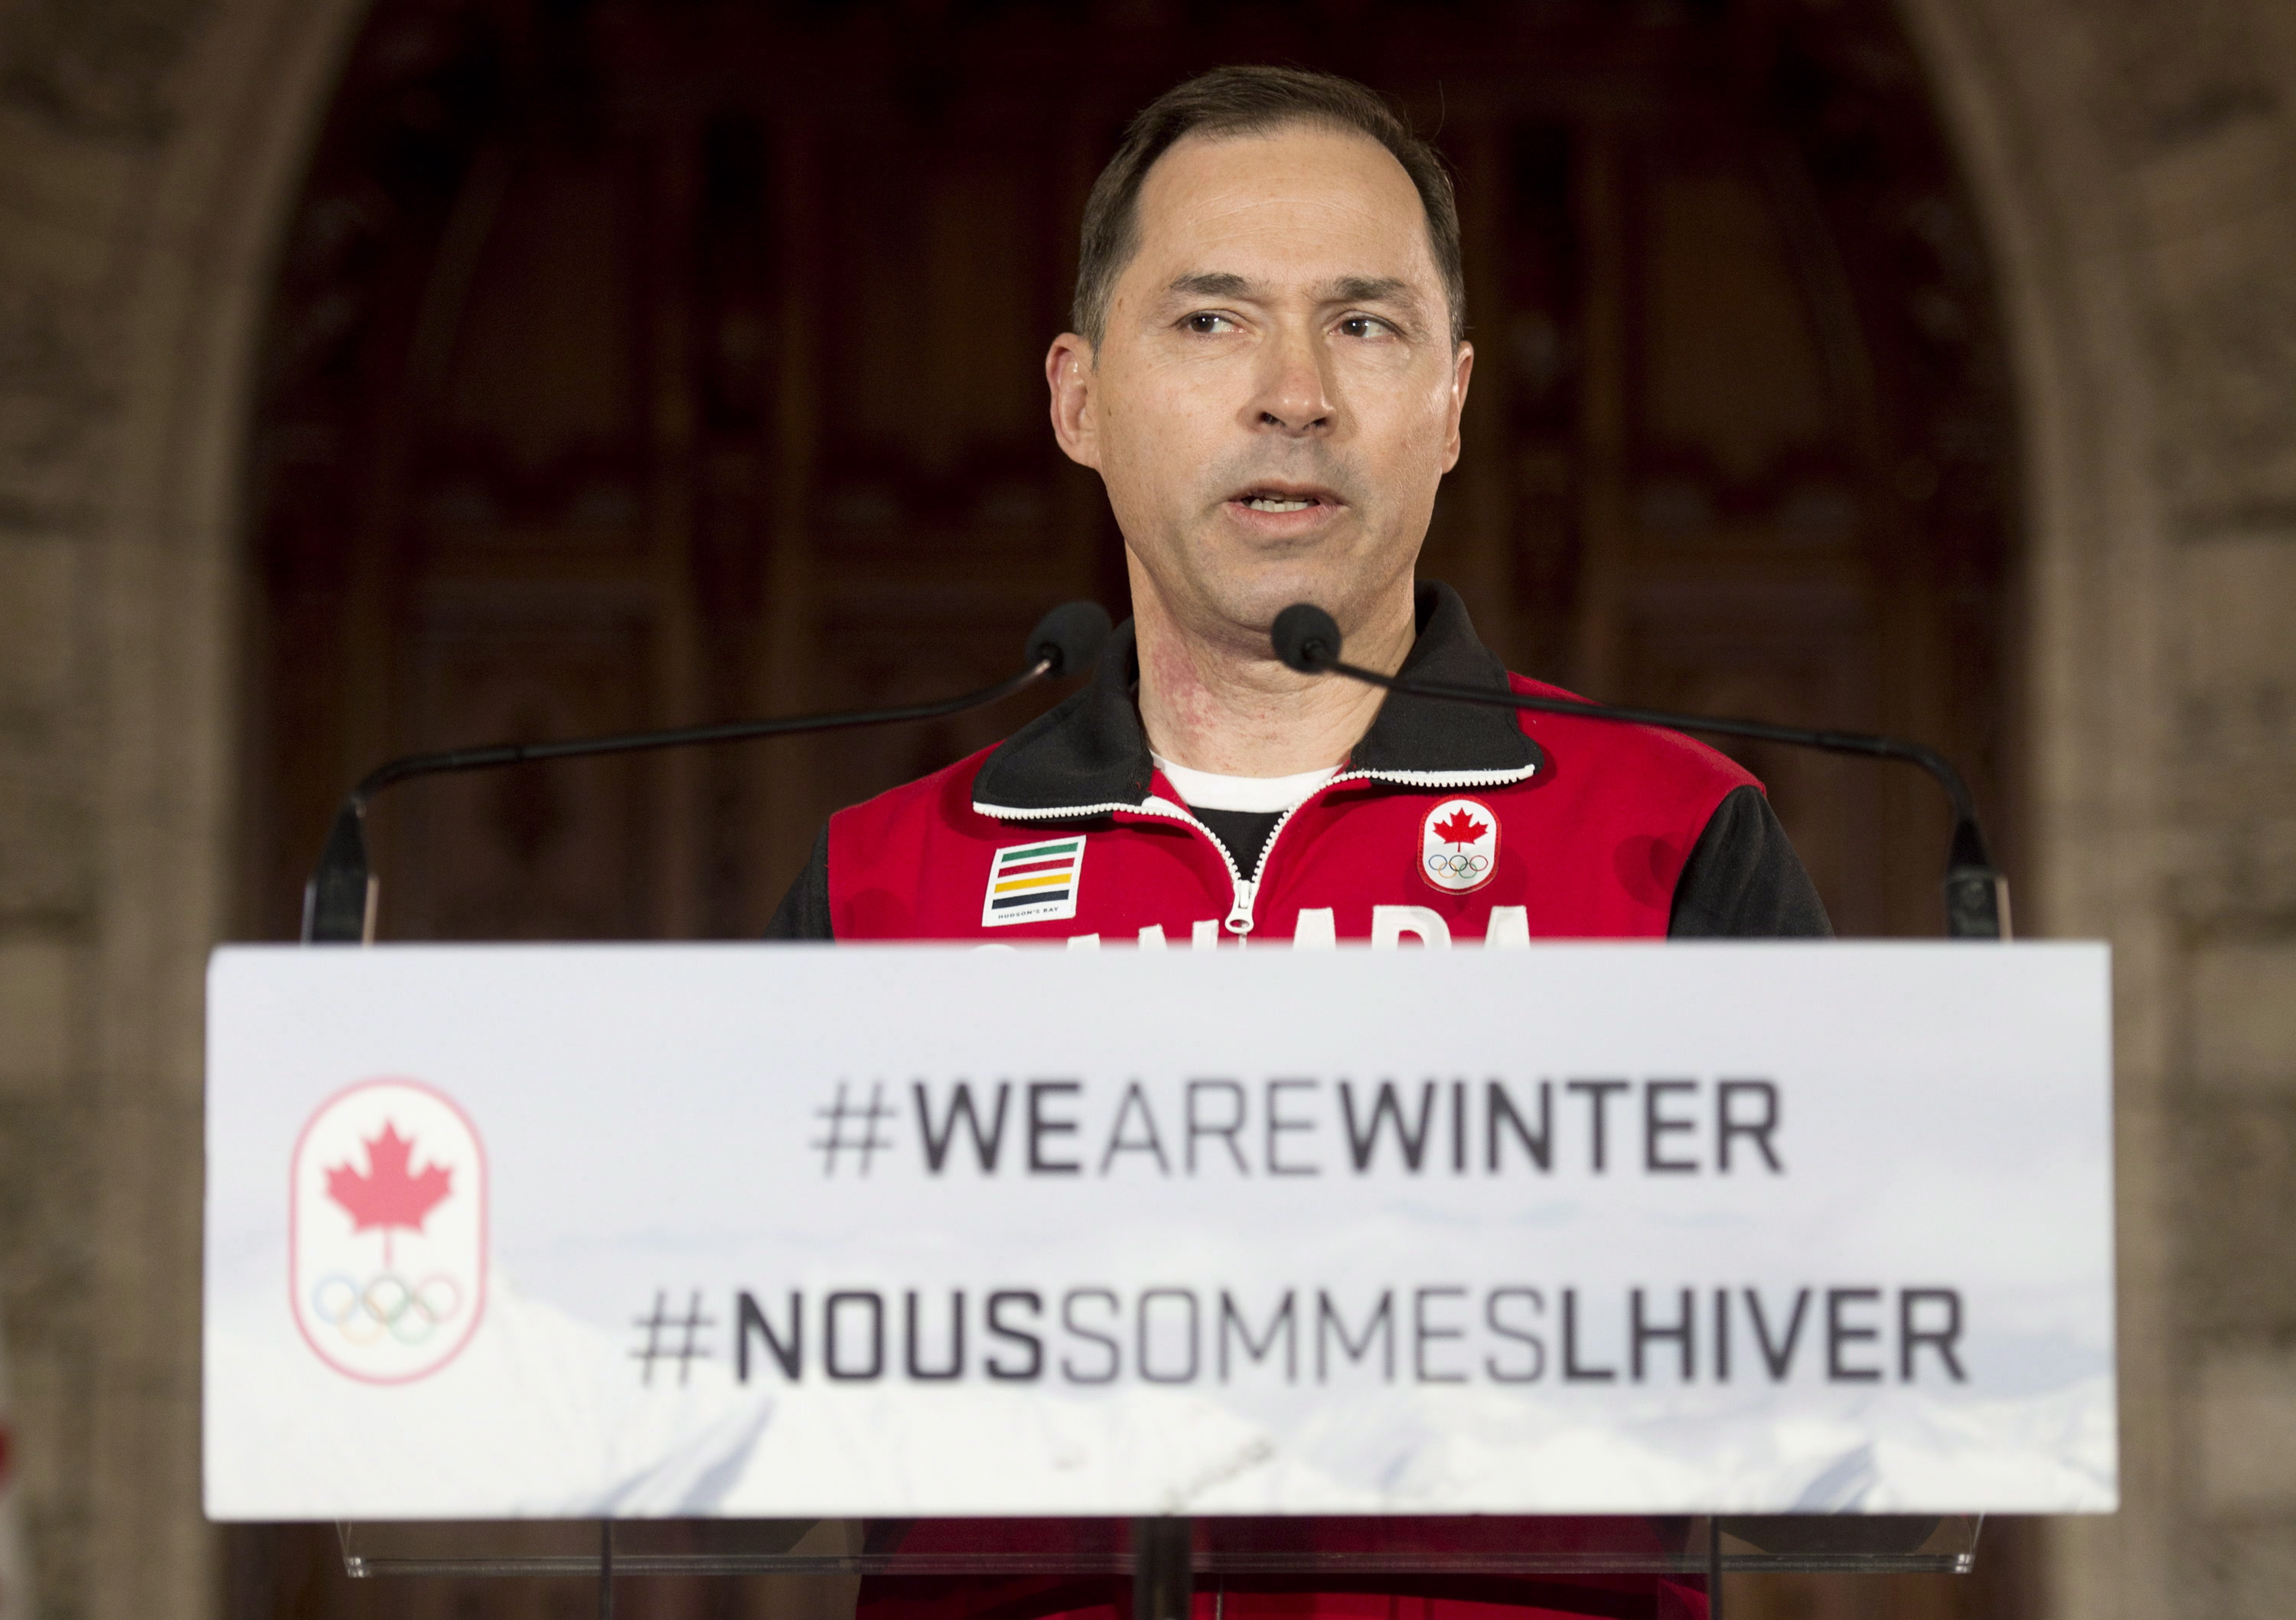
1456, 865
387, 1305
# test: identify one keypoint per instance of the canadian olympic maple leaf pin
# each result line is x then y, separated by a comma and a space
1459, 845
387, 1231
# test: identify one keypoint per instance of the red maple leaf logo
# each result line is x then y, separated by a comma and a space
387, 1195
1459, 828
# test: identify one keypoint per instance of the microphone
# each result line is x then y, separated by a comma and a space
339, 902
1307, 639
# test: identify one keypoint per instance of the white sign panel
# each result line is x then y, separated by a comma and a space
761, 1231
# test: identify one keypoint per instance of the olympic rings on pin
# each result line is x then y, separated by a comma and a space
1456, 865
409, 1313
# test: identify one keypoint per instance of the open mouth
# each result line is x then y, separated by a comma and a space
1277, 499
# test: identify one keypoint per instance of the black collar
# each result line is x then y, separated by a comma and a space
1089, 754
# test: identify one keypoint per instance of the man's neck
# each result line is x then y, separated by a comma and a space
1226, 708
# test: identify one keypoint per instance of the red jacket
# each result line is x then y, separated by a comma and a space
1449, 824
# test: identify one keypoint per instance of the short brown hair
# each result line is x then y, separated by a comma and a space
1242, 101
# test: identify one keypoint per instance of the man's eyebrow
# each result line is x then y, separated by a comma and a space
1345, 289
1214, 284
1370, 290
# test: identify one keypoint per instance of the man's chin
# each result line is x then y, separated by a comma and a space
1231, 592
1249, 605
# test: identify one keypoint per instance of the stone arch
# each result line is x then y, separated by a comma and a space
149, 155
2130, 161
2093, 545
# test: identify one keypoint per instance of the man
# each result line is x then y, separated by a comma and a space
1267, 371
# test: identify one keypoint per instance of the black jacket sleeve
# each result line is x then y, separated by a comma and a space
1743, 880
804, 910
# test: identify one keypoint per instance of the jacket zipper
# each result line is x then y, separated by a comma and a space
1247, 889
1240, 921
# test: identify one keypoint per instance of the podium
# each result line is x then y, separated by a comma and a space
1485, 1272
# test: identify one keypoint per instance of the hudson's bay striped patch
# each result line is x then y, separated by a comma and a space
1034, 882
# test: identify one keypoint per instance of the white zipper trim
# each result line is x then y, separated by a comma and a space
1247, 891
1007, 812
1453, 779
1242, 890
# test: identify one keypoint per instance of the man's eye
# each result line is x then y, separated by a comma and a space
1206, 321
1366, 326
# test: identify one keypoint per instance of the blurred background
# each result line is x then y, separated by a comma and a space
379, 375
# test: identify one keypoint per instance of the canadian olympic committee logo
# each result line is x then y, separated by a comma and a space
387, 1231
1459, 845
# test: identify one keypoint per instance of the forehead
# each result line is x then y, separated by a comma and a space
1304, 199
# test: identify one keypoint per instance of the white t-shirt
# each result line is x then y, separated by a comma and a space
1209, 791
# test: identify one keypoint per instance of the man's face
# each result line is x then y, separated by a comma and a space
1275, 395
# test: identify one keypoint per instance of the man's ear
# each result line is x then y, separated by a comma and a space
1463, 367
1076, 416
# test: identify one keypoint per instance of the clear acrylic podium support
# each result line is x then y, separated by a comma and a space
1341, 1550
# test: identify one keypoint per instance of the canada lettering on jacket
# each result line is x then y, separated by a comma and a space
1298, 1125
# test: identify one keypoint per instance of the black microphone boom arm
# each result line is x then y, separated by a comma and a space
339, 901
1307, 639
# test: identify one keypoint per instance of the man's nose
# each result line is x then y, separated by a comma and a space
1294, 395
